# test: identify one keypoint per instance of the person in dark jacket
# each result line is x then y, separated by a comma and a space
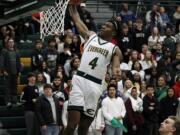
48, 112
10, 67
134, 108
29, 97
139, 36
150, 111
37, 55
168, 105
125, 43
51, 54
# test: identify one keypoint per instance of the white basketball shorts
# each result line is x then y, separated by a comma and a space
84, 95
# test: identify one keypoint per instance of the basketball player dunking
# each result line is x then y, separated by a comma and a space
98, 53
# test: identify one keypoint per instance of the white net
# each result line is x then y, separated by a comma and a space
52, 20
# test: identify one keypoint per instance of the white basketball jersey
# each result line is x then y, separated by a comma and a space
96, 57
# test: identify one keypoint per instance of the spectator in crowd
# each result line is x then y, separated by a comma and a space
62, 40
170, 126
71, 65
151, 112
164, 17
162, 88
137, 68
134, 108
153, 78
3, 32
29, 97
114, 110
139, 36
128, 85
68, 37
143, 52
22, 31
10, 66
176, 65
178, 109
75, 62
75, 48
87, 18
65, 56
143, 89
136, 79
36, 22
176, 86
114, 82
176, 16
170, 41
51, 55
37, 55
154, 38
106, 81
58, 90
153, 17
59, 70
133, 58
40, 82
168, 105
158, 54
126, 14
45, 70
164, 65
148, 63
125, 42
7, 31
177, 36
48, 112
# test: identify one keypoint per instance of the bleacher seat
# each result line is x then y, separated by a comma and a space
2, 101
26, 70
11, 112
25, 46
19, 131
23, 79
11, 122
26, 61
25, 53
2, 88
1, 44
20, 88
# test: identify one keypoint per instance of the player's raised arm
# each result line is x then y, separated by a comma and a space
117, 57
82, 28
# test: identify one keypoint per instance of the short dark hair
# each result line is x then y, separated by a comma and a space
38, 41
48, 86
176, 124
149, 86
31, 74
111, 85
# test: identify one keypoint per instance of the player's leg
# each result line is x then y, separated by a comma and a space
84, 124
73, 120
75, 105
92, 94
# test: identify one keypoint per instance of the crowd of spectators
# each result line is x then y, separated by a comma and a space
141, 96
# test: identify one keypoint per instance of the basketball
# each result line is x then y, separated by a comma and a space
75, 2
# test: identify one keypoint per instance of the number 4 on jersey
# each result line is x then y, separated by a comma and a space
93, 63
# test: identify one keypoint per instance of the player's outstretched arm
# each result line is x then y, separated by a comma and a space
82, 28
117, 57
